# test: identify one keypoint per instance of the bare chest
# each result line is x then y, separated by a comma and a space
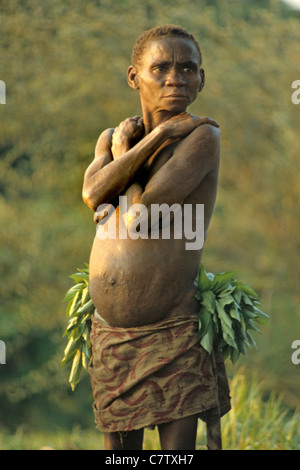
156, 161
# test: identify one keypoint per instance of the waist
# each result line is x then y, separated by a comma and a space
170, 322
98, 317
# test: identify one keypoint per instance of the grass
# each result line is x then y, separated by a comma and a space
258, 421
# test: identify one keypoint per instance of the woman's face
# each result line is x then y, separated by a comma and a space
169, 76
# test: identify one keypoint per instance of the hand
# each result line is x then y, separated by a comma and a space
126, 135
184, 123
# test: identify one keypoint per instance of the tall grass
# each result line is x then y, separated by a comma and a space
259, 420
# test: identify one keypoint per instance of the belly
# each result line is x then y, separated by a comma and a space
138, 282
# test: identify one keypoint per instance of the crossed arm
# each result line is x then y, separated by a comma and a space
114, 169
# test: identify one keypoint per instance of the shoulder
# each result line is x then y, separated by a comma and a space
200, 149
206, 140
104, 141
208, 131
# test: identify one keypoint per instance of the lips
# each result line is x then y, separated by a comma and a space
175, 96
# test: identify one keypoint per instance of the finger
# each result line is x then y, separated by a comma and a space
140, 122
213, 122
180, 117
135, 118
208, 120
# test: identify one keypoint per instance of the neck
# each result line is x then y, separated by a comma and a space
153, 119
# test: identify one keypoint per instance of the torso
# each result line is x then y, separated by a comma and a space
138, 282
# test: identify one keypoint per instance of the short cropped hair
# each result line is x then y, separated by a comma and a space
159, 32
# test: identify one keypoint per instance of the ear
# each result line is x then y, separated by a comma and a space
202, 75
132, 77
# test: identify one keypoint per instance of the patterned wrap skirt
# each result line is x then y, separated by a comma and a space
153, 374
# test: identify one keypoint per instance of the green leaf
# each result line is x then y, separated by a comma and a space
226, 300
85, 295
86, 333
76, 369
222, 314
71, 292
69, 351
251, 326
222, 280
203, 280
80, 277
246, 299
248, 313
208, 301
199, 295
247, 290
69, 307
204, 321
86, 355
250, 339
80, 309
229, 309
241, 345
229, 338
234, 313
72, 306
261, 318
207, 340
71, 323
225, 351
88, 307
237, 295
225, 292
78, 330
234, 355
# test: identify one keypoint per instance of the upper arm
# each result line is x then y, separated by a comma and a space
194, 157
102, 157
103, 145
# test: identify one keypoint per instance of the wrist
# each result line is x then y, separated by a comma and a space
162, 131
119, 147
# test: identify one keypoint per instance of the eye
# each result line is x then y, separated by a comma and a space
189, 67
159, 68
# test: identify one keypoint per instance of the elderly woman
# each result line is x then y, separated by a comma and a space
147, 367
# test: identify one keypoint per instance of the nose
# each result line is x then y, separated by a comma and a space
174, 78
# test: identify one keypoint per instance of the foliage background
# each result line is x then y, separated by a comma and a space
64, 64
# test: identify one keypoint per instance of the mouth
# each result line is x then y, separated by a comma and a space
176, 97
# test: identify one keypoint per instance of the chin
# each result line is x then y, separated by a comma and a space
176, 109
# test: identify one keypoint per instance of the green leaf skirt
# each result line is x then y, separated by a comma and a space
228, 310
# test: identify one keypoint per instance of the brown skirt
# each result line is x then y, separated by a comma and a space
154, 374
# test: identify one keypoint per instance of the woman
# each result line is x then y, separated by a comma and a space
147, 367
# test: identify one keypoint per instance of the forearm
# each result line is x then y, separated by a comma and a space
194, 162
113, 179
133, 195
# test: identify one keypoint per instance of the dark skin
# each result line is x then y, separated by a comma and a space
165, 156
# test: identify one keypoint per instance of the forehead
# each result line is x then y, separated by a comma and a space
170, 48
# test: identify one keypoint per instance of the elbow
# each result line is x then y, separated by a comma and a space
88, 200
